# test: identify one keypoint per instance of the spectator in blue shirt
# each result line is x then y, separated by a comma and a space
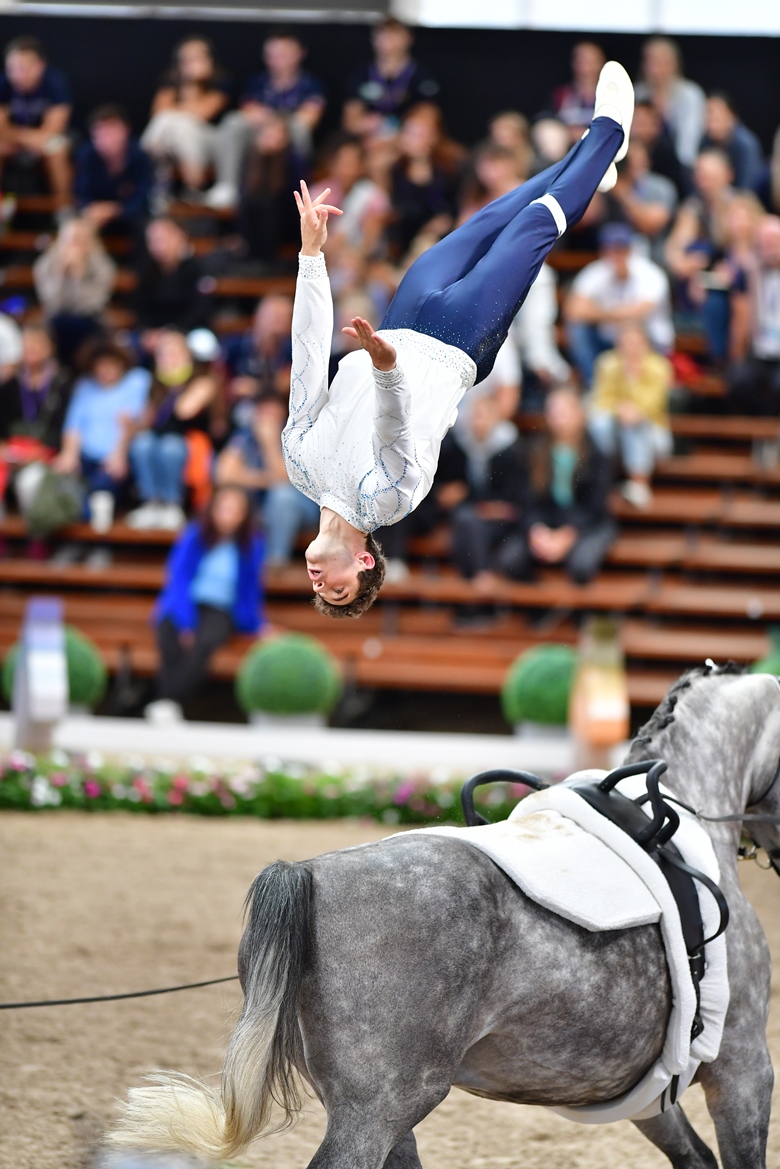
35, 107
113, 174
108, 397
724, 131
283, 88
383, 91
213, 589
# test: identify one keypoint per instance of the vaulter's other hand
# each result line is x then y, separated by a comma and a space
380, 351
314, 219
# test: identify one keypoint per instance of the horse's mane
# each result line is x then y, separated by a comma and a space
664, 713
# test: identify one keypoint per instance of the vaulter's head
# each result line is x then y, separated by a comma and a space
346, 571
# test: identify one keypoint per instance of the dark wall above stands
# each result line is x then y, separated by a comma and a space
481, 70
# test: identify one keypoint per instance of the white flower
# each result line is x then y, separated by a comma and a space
42, 793
94, 759
59, 758
164, 765
390, 816
202, 763
119, 791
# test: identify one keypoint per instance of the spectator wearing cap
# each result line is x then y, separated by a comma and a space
725, 131
573, 103
283, 88
680, 102
172, 290
181, 397
620, 286
113, 178
628, 410
35, 108
253, 460
382, 92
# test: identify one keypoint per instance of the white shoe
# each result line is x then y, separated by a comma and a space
609, 180
638, 494
170, 517
222, 196
145, 517
396, 570
163, 713
615, 99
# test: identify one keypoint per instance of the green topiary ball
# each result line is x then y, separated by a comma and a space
292, 674
87, 675
538, 685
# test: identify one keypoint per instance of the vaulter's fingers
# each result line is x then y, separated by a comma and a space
306, 196
350, 332
329, 207
320, 198
299, 202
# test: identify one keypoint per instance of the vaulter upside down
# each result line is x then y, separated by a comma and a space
366, 448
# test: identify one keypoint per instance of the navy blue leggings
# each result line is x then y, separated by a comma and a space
467, 289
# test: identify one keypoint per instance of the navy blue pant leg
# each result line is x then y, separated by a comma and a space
467, 290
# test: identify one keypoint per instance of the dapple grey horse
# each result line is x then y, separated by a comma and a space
384, 974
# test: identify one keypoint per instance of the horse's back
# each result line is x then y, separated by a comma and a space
422, 945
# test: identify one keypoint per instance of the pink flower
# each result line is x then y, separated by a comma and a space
57, 779
175, 797
403, 792
227, 801
91, 789
180, 783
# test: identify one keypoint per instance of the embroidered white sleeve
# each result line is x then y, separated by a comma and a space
387, 492
312, 332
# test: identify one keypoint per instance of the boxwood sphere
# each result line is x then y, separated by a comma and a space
87, 675
538, 685
292, 674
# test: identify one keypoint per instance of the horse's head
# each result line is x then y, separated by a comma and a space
719, 731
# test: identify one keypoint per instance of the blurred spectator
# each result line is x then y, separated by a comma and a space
511, 130
566, 518
718, 289
619, 287
573, 103
696, 238
628, 410
184, 112
107, 399
680, 102
775, 173
496, 173
10, 346
213, 590
534, 332
550, 139
424, 180
172, 291
645, 200
253, 460
32, 406
283, 88
755, 380
484, 524
35, 108
365, 205
381, 93
74, 279
724, 131
268, 218
648, 130
258, 362
113, 179
179, 402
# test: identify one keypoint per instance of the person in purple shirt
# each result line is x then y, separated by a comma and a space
35, 107
285, 88
113, 173
383, 91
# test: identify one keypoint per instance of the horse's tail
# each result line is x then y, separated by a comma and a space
176, 1112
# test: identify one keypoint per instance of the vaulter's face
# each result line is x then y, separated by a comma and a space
333, 571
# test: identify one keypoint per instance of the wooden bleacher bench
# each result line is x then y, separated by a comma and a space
243, 287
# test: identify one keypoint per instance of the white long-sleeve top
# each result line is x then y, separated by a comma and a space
366, 447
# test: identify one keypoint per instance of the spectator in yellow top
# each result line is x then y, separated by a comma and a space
629, 409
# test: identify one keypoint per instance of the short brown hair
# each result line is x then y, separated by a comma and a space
369, 583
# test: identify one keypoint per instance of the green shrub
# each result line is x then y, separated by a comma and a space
292, 674
86, 673
771, 663
538, 684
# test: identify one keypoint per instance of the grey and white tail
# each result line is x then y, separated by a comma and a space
179, 1113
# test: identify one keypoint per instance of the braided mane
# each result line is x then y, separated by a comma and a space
664, 713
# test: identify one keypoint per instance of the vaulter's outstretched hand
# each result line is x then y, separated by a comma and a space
380, 351
314, 219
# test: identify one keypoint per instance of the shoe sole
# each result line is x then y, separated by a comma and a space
613, 72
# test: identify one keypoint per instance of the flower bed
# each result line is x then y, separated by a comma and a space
269, 790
